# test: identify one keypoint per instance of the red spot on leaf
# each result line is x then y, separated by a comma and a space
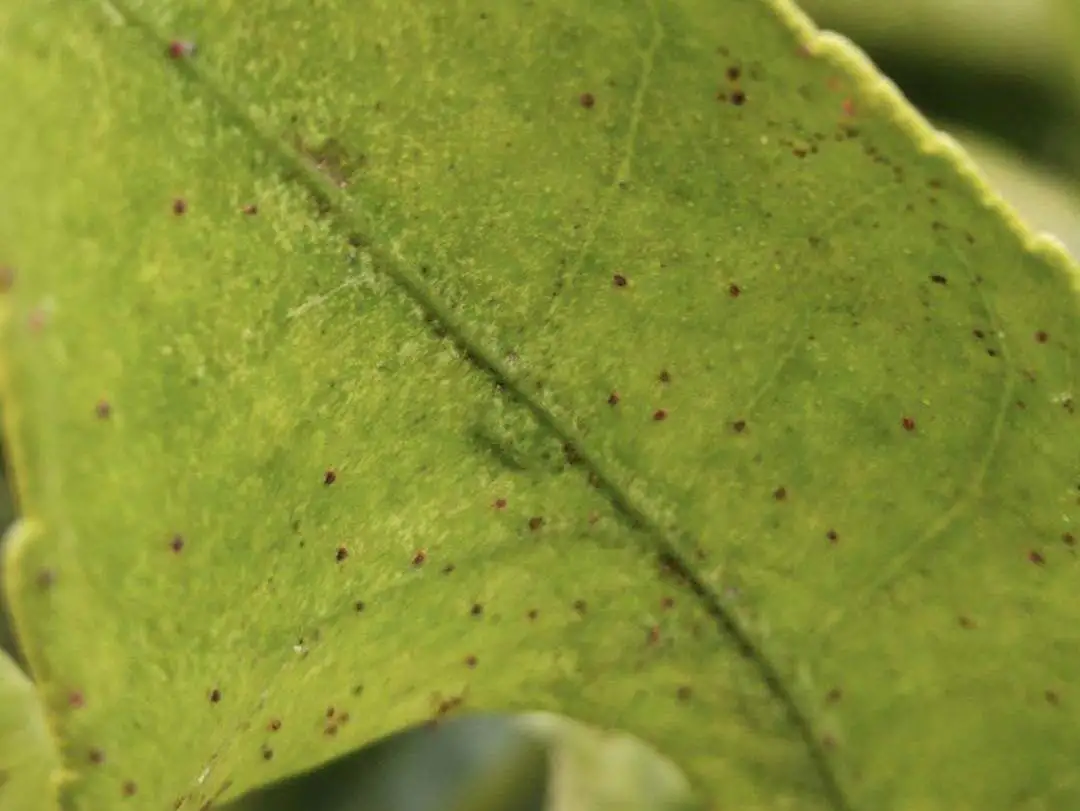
76, 700
103, 409
470, 661
177, 543
1036, 558
178, 49
341, 554
129, 788
587, 100
536, 522
908, 423
659, 415
500, 503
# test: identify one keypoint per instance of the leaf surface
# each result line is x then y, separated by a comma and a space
364, 366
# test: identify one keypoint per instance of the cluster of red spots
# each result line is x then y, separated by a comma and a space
178, 49
176, 544
967, 623
341, 554
329, 477
179, 206
536, 522
499, 504
103, 409
832, 536
734, 290
659, 415
588, 100
619, 280
215, 696
908, 423
1036, 557
419, 557
1041, 337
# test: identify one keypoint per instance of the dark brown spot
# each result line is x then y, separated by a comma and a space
470, 661
833, 695
329, 712
734, 290
571, 453
780, 493
359, 605
667, 603
343, 718
937, 278
215, 696
448, 568
580, 606
1036, 558
967, 623
613, 398
341, 554
330, 731
476, 610
267, 752
659, 415
653, 635
96, 756
251, 209
420, 556
738, 98
1068, 539
536, 522
103, 409
738, 426
177, 543
978, 333
832, 536
76, 700
179, 206
1041, 337
274, 725
45, 578
587, 100
618, 280
908, 423
733, 73
129, 788
1052, 697
664, 376
500, 503
683, 693
329, 477
533, 614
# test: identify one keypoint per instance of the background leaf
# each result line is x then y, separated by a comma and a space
831, 351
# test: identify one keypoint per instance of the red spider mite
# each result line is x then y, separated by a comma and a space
178, 49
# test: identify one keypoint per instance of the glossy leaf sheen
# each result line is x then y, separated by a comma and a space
815, 551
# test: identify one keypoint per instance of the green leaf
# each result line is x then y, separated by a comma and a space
293, 479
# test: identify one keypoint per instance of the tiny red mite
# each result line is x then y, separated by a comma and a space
179, 49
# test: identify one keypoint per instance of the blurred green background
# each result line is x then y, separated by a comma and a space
1002, 77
